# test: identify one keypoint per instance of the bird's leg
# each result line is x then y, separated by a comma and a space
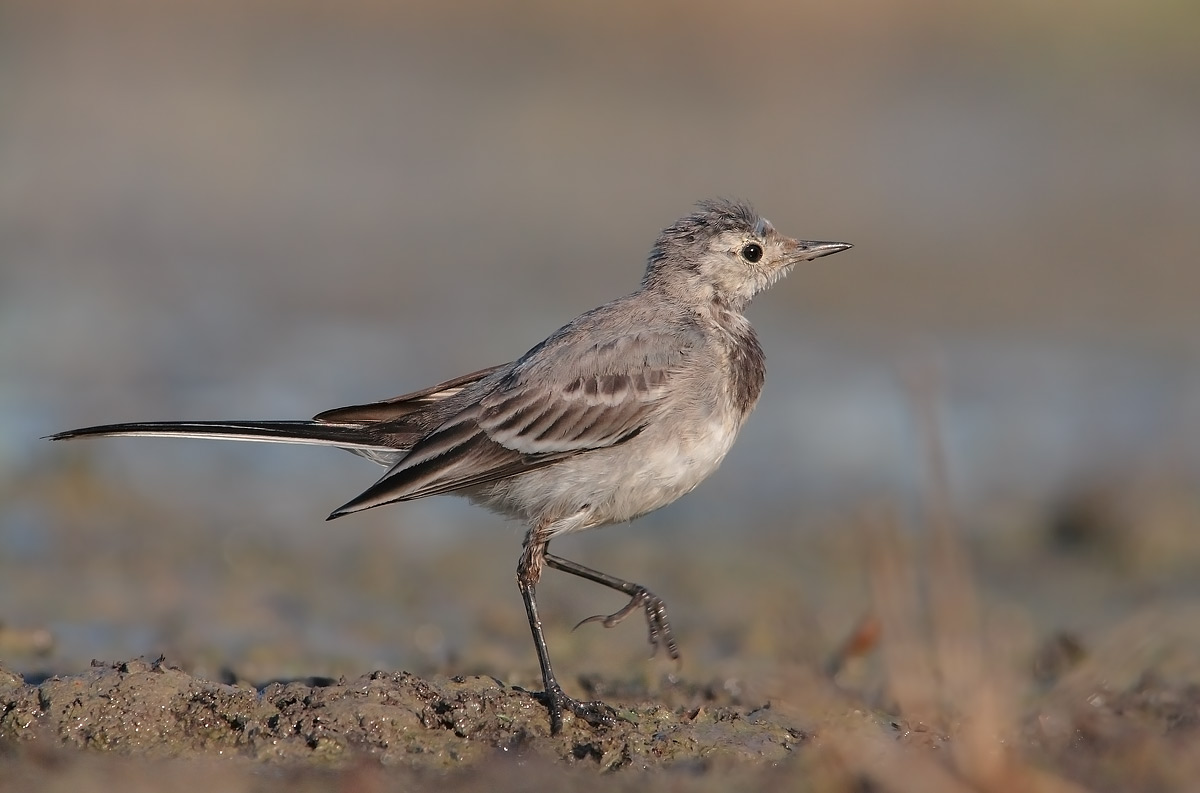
529, 571
639, 598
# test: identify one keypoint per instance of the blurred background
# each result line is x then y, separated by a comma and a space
262, 209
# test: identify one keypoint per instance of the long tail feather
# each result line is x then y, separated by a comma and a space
352, 437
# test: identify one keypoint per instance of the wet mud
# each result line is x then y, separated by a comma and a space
143, 722
154, 709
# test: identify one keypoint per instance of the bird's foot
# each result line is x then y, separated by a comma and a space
595, 712
658, 627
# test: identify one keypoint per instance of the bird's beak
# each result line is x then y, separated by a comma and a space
807, 250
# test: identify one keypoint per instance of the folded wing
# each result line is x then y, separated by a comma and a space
555, 403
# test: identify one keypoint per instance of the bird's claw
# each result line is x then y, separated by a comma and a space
594, 712
655, 608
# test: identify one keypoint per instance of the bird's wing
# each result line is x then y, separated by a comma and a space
397, 408
565, 397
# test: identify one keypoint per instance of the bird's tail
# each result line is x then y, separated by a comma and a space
358, 437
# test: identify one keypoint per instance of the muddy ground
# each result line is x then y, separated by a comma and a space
146, 724
1056, 654
153, 709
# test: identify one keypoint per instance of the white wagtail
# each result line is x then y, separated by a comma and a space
619, 412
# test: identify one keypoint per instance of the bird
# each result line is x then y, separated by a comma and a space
619, 412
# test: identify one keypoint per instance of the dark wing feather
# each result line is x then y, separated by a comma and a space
471, 459
397, 408
590, 411
555, 403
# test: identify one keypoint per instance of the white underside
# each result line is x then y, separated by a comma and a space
610, 485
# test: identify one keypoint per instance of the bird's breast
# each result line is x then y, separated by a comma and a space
745, 364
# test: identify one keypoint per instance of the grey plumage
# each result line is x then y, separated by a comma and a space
616, 414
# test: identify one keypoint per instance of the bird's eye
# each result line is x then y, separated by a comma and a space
752, 252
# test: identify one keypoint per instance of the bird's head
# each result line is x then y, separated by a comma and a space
726, 252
